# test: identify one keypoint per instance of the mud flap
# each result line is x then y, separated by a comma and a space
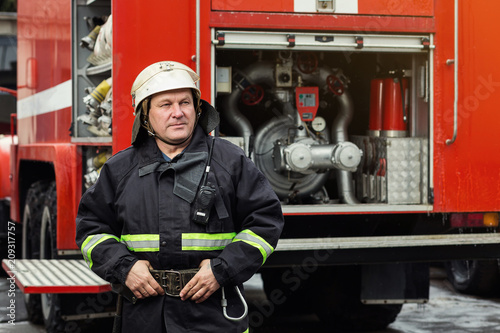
395, 283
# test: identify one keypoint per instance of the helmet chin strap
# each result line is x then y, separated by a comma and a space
170, 143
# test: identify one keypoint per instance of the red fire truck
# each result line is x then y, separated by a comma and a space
375, 122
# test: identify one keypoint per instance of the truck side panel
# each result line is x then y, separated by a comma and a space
141, 47
44, 58
466, 172
44, 111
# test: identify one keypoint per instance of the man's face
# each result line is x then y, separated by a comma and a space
172, 114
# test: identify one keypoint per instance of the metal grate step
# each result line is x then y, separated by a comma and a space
54, 276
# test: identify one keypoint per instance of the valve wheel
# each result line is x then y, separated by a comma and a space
252, 95
307, 62
335, 85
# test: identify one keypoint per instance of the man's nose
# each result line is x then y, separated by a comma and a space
176, 110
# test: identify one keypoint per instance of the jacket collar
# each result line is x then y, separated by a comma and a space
188, 166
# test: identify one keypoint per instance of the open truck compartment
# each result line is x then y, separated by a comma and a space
330, 119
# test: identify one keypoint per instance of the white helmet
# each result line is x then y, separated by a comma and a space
158, 77
162, 76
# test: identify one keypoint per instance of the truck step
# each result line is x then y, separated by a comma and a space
418, 241
54, 276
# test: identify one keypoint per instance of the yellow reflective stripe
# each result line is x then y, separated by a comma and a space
91, 242
251, 238
142, 242
206, 242
247, 330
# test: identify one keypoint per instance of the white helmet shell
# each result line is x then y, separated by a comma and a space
162, 76
158, 77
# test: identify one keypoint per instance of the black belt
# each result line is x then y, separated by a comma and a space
173, 281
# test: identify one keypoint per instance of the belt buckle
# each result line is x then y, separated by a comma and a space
170, 281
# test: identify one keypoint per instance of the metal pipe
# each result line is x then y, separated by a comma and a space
236, 119
455, 72
430, 93
213, 69
344, 117
312, 45
198, 38
339, 134
258, 73
345, 187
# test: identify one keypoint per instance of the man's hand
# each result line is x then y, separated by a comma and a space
202, 285
140, 281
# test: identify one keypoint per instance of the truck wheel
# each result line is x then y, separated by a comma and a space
32, 217
475, 277
338, 305
50, 303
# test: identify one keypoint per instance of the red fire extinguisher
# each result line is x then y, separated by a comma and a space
389, 107
376, 107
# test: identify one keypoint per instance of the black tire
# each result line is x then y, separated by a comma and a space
32, 217
474, 277
338, 304
50, 303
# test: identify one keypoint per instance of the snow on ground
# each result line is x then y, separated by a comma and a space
450, 312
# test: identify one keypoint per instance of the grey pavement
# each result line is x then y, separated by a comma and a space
447, 311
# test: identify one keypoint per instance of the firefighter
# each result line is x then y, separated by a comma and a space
180, 218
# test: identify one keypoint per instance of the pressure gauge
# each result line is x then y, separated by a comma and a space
319, 124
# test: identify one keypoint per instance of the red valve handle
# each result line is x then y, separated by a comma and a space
307, 62
252, 95
335, 85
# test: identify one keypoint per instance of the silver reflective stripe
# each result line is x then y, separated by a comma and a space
91, 242
251, 238
206, 242
142, 246
142, 242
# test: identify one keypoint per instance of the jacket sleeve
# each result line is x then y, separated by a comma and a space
259, 219
98, 231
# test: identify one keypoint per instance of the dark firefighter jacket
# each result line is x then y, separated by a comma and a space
140, 208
